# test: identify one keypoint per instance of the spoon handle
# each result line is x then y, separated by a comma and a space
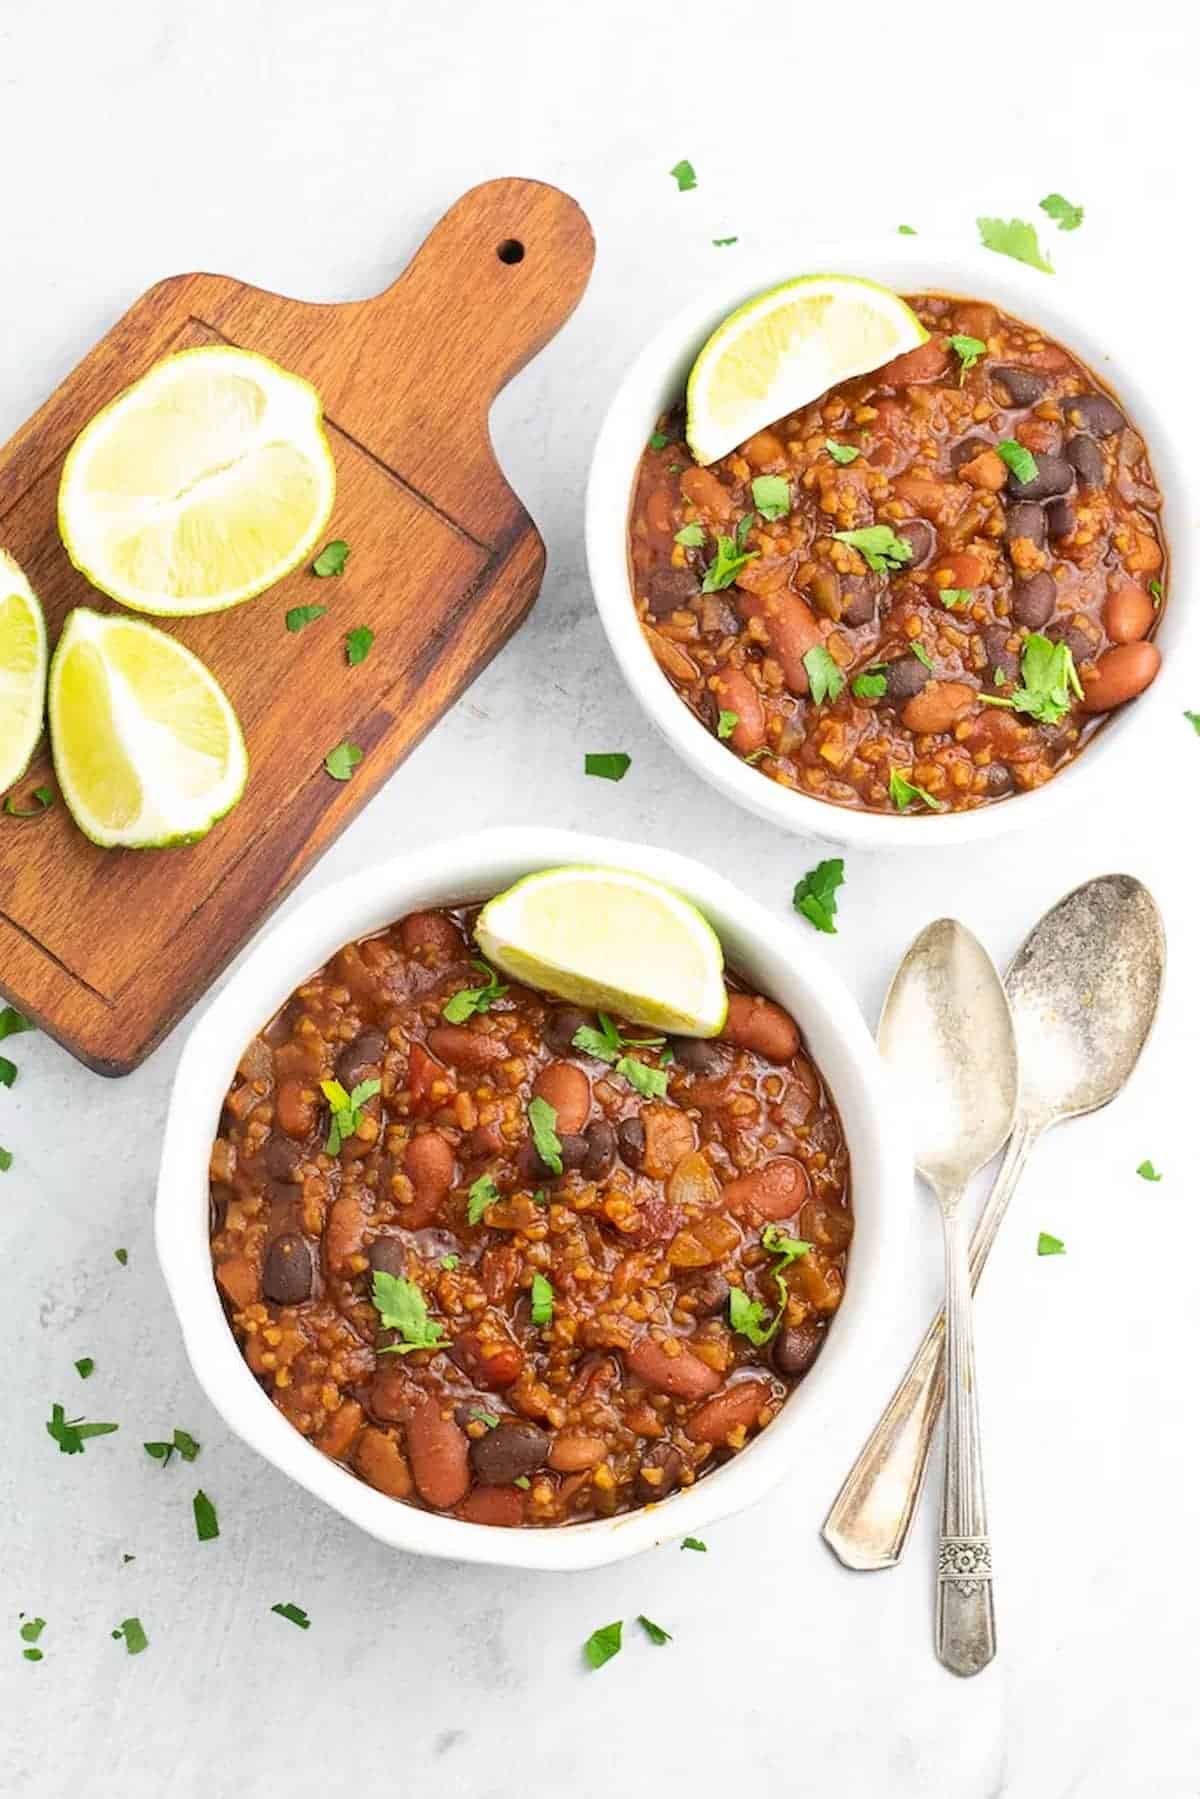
965, 1636
869, 1521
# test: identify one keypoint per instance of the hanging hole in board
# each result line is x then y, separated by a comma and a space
511, 250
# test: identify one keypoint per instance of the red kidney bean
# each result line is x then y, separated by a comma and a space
926, 363
493, 1365
738, 1406
938, 707
669, 590
795, 1348
345, 1227
1087, 459
1121, 674
503, 1507
288, 1270
1035, 601
432, 934
682, 1376
759, 1025
1128, 613
507, 1452
566, 1088
381, 1464
429, 1165
774, 1191
464, 1048
573, 1451
1094, 413
736, 692
437, 1450
295, 1108
792, 630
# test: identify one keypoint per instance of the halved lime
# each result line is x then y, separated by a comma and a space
787, 347
200, 486
609, 938
22, 671
147, 748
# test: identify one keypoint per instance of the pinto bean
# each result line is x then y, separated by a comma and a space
573, 1451
501, 1507
762, 1027
1128, 613
1093, 413
462, 1047
288, 1270
776, 1190
682, 1376
380, 1462
345, 1228
437, 1450
1035, 601
1120, 674
669, 590
927, 362
429, 1165
566, 1088
431, 934
938, 707
295, 1108
736, 1408
1087, 459
707, 494
736, 692
507, 1452
1025, 519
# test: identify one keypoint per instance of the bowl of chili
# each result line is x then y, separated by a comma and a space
237, 1335
988, 672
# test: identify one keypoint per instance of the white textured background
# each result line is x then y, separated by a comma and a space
307, 147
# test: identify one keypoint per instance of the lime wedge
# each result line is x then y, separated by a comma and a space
147, 748
22, 671
608, 938
787, 347
200, 486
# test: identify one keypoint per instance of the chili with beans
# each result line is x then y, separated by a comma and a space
1019, 504
427, 1298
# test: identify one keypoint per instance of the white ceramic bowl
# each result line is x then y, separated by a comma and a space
771, 952
1114, 346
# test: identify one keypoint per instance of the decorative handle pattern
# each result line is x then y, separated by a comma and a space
965, 1633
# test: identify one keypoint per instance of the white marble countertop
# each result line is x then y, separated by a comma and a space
307, 148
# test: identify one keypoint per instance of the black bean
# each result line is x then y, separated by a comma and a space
1081, 646
1094, 413
561, 1025
1060, 519
574, 1149
1087, 459
288, 1270
1054, 476
905, 677
1034, 601
281, 1157
1021, 387
967, 451
388, 1255
1025, 519
508, 1452
921, 535
699, 1055
601, 1140
999, 780
795, 1348
999, 655
631, 1141
530, 1166
860, 599
670, 589
660, 1472
709, 1292
360, 1060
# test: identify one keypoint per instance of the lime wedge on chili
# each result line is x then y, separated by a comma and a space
22, 671
785, 348
147, 748
613, 939
200, 486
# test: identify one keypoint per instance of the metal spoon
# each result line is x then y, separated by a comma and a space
947, 1033
1084, 990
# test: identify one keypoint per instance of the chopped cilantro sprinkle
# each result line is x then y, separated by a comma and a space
772, 496
825, 678
342, 760
1050, 1246
719, 243
480, 1195
685, 175
1066, 216
691, 536
730, 559
401, 1307
1148, 1171
84, 1366
469, 1000
694, 1543
1016, 238
293, 1614
726, 724
603, 1644
815, 894
843, 453
879, 546
298, 616
904, 792
542, 1122
541, 1300
1021, 461
13, 1023
44, 797
871, 685
333, 558
1193, 719
72, 1433
655, 1632
750, 1318
122, 1256
658, 440
608, 765
358, 644
906, 230
953, 597
131, 1629
205, 1513
32, 1629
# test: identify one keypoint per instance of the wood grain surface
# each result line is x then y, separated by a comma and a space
106, 949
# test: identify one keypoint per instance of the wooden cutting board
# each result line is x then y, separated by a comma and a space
106, 949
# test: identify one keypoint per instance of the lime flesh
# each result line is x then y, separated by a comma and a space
22, 672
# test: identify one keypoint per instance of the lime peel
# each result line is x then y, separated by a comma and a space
22, 672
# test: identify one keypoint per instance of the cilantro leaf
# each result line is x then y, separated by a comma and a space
720, 242
358, 644
778, 1243
333, 558
1048, 678
902, 792
541, 1300
1148, 1171
44, 797
122, 1256
605, 1044
921, 653
1065, 216
879, 546
1021, 461
480, 1195
815, 894
906, 230
691, 536
772, 496
655, 1632
685, 175
71, 1433
13, 1023
651, 1083
967, 349
449, 1263
469, 1000
135, 1637
1193, 719
522, 1481
842, 453
726, 724
658, 440
489, 1419
952, 597
542, 1120
730, 559
603, 1644
293, 1613
608, 1045
32, 1629
694, 1543
345, 1111
871, 685
749, 1317
8, 1072
298, 616
825, 678
5, 1160
181, 1440
401, 1307
609, 766
1155, 590
342, 760
84, 1367
205, 1514
1050, 1246
1016, 238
